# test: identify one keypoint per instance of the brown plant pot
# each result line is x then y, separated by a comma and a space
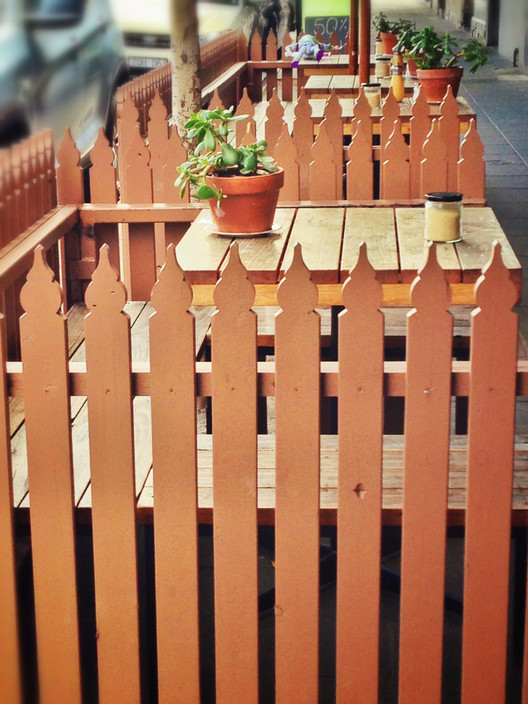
388, 41
434, 82
411, 63
250, 202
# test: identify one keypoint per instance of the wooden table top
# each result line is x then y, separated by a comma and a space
347, 86
330, 237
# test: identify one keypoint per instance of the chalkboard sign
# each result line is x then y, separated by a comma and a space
327, 25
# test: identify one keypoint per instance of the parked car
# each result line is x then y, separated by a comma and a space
145, 25
60, 64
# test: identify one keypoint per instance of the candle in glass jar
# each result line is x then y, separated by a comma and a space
372, 93
382, 66
443, 216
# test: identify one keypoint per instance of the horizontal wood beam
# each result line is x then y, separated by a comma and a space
394, 379
17, 256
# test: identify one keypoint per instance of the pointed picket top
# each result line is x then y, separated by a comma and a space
361, 288
396, 147
271, 47
430, 290
102, 155
137, 154
129, 111
287, 157
333, 109
234, 293
472, 145
41, 294
494, 287
334, 38
390, 107
434, 147
106, 294
245, 106
420, 106
286, 41
362, 108
449, 106
274, 121
255, 47
297, 293
319, 35
245, 130
302, 110
157, 111
171, 292
68, 155
216, 101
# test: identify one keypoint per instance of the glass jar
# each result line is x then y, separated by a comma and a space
378, 45
397, 83
382, 66
443, 216
372, 93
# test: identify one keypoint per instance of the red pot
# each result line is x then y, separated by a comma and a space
388, 41
250, 202
411, 63
434, 82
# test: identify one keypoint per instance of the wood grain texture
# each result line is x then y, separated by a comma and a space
10, 680
377, 228
49, 454
297, 501
234, 361
493, 355
360, 413
113, 485
175, 487
426, 452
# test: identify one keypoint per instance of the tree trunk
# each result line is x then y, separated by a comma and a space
185, 52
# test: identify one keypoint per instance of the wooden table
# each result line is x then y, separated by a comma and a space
330, 237
466, 113
347, 86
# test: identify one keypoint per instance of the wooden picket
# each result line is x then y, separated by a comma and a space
234, 398
297, 380
493, 355
175, 532
360, 414
112, 485
426, 462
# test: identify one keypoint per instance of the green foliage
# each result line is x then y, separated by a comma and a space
406, 40
431, 50
214, 155
381, 23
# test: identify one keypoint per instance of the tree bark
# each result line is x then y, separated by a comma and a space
185, 53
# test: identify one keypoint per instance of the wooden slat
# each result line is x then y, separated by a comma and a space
493, 357
426, 452
297, 510
410, 225
174, 455
319, 231
113, 486
262, 256
360, 413
49, 454
10, 682
377, 229
234, 363
480, 227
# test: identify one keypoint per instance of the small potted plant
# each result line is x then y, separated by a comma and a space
241, 184
437, 57
404, 46
389, 30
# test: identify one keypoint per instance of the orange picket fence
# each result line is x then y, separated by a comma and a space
138, 458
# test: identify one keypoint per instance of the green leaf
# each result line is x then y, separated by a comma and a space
206, 193
229, 155
209, 141
250, 163
199, 148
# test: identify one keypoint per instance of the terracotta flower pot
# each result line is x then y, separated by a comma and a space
388, 41
434, 82
411, 63
250, 203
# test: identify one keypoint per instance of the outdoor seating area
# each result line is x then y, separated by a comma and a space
330, 397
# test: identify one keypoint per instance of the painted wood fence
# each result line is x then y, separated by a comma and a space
303, 481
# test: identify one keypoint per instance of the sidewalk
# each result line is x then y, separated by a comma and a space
499, 95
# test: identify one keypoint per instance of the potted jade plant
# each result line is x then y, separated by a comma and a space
241, 184
437, 57
404, 46
389, 30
